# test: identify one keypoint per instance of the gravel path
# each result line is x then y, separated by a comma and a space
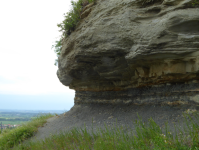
122, 115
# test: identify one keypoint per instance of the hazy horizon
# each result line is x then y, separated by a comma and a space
36, 102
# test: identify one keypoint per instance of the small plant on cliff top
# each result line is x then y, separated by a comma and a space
195, 3
68, 25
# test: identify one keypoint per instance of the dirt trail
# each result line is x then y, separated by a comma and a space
96, 115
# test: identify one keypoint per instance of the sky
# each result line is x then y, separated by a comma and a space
28, 80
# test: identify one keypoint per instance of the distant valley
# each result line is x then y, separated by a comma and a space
17, 117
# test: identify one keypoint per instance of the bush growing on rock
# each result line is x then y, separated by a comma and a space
68, 25
196, 3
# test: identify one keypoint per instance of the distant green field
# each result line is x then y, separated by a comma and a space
15, 118
12, 122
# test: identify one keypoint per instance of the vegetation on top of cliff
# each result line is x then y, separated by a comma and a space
195, 3
72, 18
68, 25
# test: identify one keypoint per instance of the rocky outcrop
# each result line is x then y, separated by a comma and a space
126, 52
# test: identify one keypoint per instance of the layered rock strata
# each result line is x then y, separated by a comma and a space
126, 52
167, 94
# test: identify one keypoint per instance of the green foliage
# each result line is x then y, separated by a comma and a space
10, 138
148, 136
195, 3
71, 20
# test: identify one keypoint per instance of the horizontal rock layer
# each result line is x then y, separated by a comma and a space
166, 94
123, 45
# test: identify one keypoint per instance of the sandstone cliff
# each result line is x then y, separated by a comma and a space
126, 52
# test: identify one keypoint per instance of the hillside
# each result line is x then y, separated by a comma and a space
96, 116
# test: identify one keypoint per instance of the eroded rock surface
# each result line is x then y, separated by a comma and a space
125, 52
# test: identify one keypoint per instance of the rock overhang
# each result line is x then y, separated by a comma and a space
120, 46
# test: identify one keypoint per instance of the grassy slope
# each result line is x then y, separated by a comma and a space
10, 138
147, 136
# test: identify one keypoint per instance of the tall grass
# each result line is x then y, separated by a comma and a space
10, 138
145, 137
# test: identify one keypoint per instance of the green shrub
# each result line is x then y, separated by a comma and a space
71, 20
195, 3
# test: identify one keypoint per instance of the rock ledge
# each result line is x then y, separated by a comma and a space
123, 52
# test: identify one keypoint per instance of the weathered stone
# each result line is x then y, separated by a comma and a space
165, 94
86, 10
123, 45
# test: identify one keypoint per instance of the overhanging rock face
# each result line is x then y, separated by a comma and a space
124, 52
